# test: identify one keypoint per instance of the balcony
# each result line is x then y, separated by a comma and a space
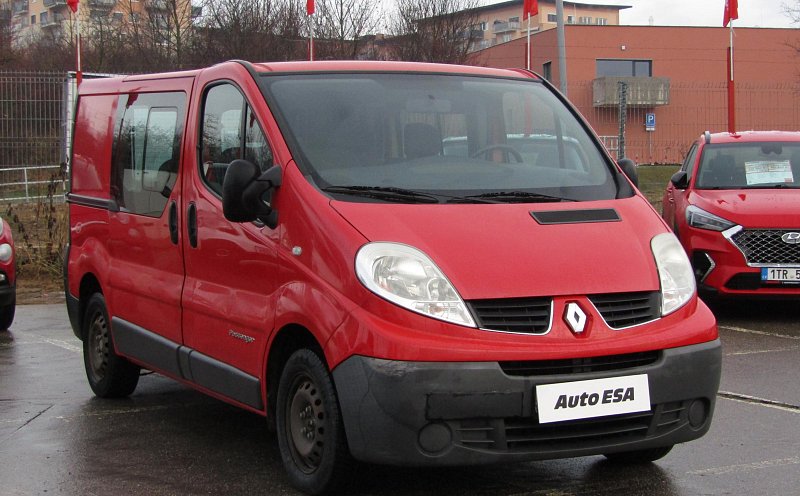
156, 5
54, 3
102, 4
5, 14
20, 7
505, 27
52, 21
642, 91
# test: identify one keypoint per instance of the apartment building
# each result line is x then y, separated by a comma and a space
30, 19
502, 22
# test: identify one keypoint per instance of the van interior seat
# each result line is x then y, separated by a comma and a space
421, 140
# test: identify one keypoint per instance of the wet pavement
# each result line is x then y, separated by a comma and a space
166, 439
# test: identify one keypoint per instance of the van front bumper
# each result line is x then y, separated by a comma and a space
440, 413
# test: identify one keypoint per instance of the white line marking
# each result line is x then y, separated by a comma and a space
760, 333
753, 400
745, 467
63, 344
754, 352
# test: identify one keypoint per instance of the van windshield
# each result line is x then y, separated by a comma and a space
431, 138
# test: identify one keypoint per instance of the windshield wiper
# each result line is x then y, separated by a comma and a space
387, 193
518, 197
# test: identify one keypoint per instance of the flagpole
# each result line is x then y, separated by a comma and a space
79, 75
529, 41
731, 87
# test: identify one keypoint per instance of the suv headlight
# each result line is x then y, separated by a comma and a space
675, 272
699, 218
407, 277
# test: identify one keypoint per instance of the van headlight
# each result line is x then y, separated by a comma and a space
675, 272
407, 277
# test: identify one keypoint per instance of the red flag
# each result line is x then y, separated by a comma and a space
73, 5
530, 8
731, 11
310, 7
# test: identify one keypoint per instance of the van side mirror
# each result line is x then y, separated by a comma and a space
247, 194
628, 166
680, 180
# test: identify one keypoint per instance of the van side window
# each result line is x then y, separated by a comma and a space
230, 131
146, 151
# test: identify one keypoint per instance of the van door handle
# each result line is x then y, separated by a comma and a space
191, 222
173, 222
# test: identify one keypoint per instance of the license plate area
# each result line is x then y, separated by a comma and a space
780, 274
592, 398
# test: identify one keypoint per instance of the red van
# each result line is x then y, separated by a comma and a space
395, 263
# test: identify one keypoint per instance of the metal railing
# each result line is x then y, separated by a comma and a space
23, 184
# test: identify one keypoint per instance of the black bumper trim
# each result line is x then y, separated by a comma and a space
439, 413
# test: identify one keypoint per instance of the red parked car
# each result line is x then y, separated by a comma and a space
8, 277
400, 263
735, 206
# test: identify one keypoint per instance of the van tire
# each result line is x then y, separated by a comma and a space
7, 314
639, 456
109, 375
310, 430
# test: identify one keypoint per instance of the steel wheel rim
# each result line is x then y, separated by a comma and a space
98, 344
305, 428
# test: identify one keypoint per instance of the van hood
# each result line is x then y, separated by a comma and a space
501, 251
754, 208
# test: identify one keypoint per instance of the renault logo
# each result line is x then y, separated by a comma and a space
791, 238
575, 317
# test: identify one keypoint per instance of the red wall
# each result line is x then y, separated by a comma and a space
767, 73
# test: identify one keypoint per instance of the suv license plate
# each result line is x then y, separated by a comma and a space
592, 398
780, 274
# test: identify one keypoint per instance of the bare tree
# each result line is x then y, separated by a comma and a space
792, 11
160, 31
260, 30
434, 30
8, 53
341, 27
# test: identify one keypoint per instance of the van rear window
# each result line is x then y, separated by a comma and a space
146, 151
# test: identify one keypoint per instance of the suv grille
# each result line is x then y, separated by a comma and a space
521, 315
765, 246
526, 435
628, 309
580, 365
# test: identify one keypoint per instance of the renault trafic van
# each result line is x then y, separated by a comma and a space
395, 263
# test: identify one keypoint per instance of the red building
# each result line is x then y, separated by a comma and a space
677, 74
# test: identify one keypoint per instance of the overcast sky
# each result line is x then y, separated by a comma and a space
752, 13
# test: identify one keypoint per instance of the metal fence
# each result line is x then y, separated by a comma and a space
32, 134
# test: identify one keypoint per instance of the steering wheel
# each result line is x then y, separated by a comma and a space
499, 146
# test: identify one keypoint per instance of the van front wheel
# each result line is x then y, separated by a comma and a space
310, 432
109, 375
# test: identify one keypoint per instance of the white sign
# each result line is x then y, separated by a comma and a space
768, 172
592, 398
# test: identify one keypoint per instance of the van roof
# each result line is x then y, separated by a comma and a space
331, 66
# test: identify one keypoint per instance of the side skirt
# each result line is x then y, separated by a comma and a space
185, 363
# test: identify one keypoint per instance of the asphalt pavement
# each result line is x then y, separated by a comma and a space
166, 439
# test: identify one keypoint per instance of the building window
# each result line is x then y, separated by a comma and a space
43, 18
570, 19
584, 20
601, 21
33, 19
547, 71
624, 68
506, 38
552, 18
513, 19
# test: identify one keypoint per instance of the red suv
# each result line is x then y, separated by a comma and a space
735, 206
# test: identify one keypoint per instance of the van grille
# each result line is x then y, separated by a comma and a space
628, 309
519, 315
526, 435
580, 365
765, 246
